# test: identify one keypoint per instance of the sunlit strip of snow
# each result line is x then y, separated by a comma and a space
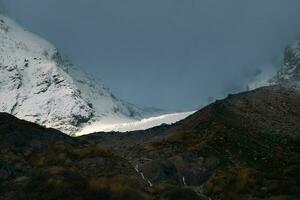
121, 126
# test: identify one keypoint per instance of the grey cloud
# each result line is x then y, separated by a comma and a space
172, 54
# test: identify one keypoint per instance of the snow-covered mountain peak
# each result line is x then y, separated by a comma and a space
287, 75
39, 85
290, 70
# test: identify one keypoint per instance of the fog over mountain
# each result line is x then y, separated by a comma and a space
171, 54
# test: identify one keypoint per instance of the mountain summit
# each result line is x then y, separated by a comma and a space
39, 85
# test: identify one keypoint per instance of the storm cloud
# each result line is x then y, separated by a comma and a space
171, 54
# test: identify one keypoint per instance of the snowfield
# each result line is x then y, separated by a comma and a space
121, 125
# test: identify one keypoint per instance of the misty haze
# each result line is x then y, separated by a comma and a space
150, 100
179, 53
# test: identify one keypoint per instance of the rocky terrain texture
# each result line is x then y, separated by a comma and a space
246, 146
39, 85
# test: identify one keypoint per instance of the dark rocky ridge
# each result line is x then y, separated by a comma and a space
246, 146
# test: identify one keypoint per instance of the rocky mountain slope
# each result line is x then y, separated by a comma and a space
243, 147
39, 85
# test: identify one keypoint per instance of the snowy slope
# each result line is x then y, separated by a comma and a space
287, 75
120, 125
38, 85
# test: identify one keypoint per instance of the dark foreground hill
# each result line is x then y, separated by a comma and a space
246, 146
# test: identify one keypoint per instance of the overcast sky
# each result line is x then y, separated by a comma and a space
172, 54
